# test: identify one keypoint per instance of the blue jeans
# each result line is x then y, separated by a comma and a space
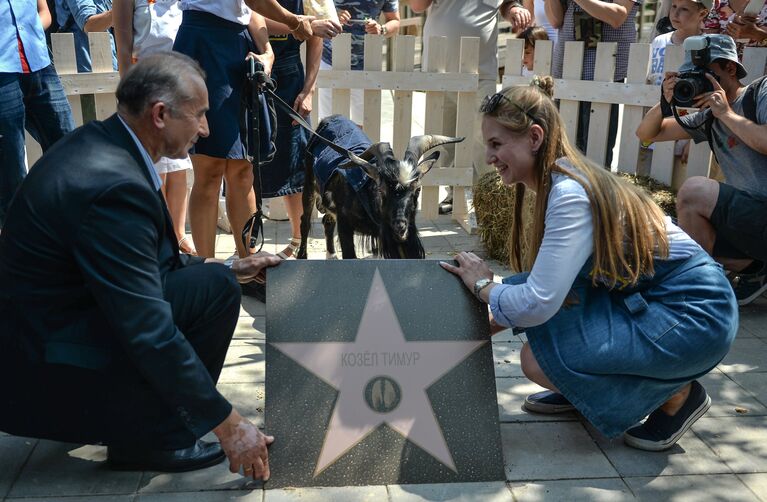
35, 101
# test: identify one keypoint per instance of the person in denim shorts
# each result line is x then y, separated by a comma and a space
31, 95
623, 311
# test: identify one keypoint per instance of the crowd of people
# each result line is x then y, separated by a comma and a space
112, 321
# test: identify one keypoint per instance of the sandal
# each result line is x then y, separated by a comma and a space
185, 245
288, 252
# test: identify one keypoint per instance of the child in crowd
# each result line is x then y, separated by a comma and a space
530, 35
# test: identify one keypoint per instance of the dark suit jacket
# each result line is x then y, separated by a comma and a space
83, 256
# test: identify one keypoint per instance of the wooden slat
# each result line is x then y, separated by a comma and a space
448, 176
466, 115
639, 61
435, 101
542, 59
634, 94
754, 60
515, 50
404, 58
342, 60
397, 81
599, 123
571, 70
63, 45
663, 153
371, 119
101, 62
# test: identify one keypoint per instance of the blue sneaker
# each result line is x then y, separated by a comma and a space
547, 402
661, 431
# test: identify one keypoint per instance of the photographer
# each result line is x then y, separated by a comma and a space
726, 219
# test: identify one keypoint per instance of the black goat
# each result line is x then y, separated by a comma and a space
375, 195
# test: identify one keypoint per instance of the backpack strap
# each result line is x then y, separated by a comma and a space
749, 98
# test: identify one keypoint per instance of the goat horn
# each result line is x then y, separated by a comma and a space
378, 150
419, 145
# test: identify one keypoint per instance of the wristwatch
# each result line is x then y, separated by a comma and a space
384, 31
480, 285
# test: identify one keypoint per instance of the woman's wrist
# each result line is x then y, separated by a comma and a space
298, 24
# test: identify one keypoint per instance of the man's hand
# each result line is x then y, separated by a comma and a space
254, 267
372, 27
496, 328
244, 445
344, 16
304, 29
669, 82
715, 100
519, 17
326, 28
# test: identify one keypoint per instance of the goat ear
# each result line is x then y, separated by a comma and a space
426, 164
370, 169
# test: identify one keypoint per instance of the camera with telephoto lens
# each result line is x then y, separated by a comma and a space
692, 83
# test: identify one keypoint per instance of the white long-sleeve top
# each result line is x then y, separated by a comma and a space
567, 244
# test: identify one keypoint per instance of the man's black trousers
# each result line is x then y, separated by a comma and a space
117, 405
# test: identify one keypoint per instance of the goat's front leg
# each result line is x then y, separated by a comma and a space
329, 224
346, 238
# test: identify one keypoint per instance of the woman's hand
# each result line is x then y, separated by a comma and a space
266, 60
303, 104
470, 269
326, 28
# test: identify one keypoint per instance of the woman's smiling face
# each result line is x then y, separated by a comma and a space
510, 153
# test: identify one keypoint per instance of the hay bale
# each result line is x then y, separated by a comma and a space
494, 206
663, 195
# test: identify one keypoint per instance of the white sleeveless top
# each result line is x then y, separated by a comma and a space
155, 24
231, 10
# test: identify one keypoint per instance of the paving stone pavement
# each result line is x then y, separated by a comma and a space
724, 457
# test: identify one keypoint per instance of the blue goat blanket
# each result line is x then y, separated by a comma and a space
343, 132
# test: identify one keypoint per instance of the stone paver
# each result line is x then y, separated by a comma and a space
573, 490
552, 450
63, 469
547, 458
455, 492
720, 488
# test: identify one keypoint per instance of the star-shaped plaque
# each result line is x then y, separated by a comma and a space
381, 393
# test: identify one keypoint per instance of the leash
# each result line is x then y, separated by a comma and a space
261, 82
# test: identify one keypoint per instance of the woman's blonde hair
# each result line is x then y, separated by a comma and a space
629, 228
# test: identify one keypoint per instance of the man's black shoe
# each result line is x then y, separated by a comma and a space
202, 454
255, 290
446, 207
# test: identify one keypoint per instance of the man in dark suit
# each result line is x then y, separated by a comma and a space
107, 333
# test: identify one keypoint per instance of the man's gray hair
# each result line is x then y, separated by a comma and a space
162, 77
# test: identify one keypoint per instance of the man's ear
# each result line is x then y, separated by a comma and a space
159, 114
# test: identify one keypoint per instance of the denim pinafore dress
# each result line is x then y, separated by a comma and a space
617, 355
284, 175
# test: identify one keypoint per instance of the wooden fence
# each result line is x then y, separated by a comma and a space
635, 95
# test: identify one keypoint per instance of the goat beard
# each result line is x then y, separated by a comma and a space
411, 248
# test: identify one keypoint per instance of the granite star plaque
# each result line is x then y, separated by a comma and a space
378, 372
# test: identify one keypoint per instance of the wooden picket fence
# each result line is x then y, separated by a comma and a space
635, 95
402, 80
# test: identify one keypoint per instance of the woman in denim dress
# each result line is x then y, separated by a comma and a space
283, 176
623, 311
